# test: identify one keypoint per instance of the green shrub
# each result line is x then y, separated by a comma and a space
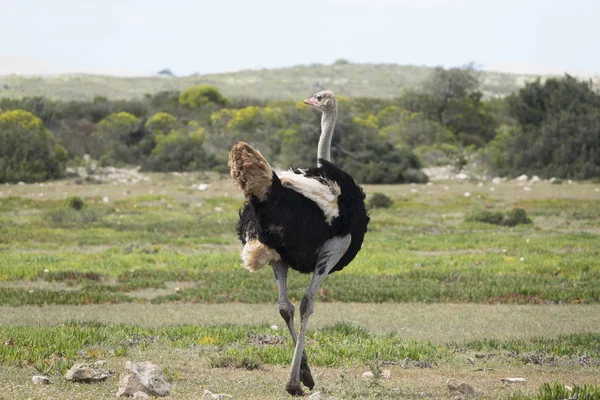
514, 217
28, 151
198, 96
179, 151
379, 200
74, 202
488, 217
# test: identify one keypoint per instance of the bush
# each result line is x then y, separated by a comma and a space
74, 202
28, 151
198, 96
514, 217
488, 217
379, 200
179, 151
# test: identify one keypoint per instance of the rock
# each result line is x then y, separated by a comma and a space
202, 187
497, 180
315, 396
522, 178
143, 377
211, 396
88, 373
462, 176
460, 389
140, 395
535, 179
386, 374
513, 380
367, 374
40, 380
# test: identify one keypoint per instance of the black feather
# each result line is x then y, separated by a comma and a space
295, 226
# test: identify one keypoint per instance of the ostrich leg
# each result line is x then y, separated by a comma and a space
329, 255
286, 310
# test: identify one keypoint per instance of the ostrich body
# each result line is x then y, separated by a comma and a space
311, 220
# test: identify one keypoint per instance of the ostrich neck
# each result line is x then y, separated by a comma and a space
327, 125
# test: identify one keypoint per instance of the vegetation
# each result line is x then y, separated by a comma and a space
447, 121
513, 217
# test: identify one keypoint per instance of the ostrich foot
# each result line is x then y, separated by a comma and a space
294, 389
306, 376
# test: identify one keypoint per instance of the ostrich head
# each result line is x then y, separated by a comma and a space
324, 101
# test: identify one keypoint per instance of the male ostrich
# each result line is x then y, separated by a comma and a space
311, 220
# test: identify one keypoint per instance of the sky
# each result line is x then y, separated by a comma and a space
207, 36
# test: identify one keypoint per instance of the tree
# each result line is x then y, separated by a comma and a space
559, 131
28, 151
198, 96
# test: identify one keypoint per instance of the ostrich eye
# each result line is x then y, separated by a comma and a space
319, 97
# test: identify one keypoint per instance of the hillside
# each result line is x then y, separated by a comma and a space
371, 80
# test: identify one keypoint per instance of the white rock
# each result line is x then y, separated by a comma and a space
274, 327
427, 184
480, 184
40, 380
386, 374
367, 375
526, 188
315, 396
497, 180
212, 396
89, 373
551, 179
535, 179
143, 377
202, 187
492, 189
467, 194
522, 178
413, 190
462, 176
218, 209
597, 190
569, 181
513, 380
140, 395
105, 200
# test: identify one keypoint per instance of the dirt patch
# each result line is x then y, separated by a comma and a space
171, 287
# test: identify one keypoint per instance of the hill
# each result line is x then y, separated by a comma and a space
349, 79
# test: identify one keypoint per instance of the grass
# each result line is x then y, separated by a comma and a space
154, 273
370, 80
420, 249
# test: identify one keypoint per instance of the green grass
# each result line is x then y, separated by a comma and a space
251, 346
420, 249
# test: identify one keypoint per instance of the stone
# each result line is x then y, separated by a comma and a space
460, 389
143, 377
315, 396
40, 380
513, 380
88, 373
367, 375
213, 396
140, 395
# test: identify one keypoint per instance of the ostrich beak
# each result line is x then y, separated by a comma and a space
312, 101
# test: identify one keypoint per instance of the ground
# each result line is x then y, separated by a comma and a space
150, 270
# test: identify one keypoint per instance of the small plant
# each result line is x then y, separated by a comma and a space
74, 202
488, 217
380, 200
558, 391
514, 217
248, 363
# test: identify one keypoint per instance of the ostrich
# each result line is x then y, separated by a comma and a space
311, 220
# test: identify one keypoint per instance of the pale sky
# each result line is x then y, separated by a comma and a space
207, 36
